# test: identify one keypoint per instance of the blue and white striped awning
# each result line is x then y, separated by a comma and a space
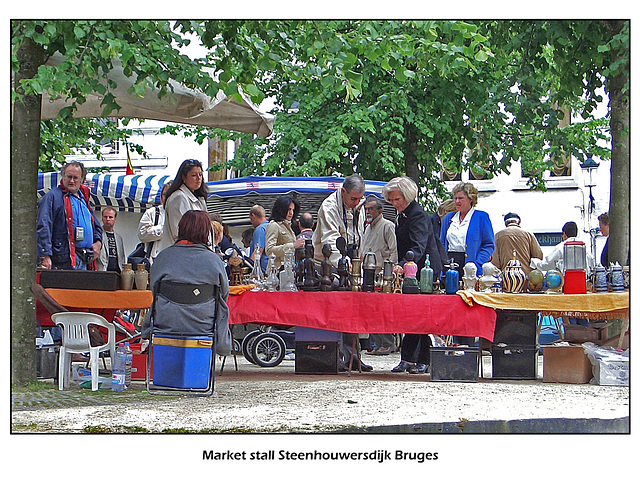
128, 193
232, 199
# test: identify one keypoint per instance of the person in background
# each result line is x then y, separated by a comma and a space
305, 223
188, 191
279, 235
603, 219
436, 218
339, 216
68, 234
414, 233
555, 258
176, 270
247, 236
258, 219
512, 239
151, 225
467, 235
111, 257
379, 238
225, 243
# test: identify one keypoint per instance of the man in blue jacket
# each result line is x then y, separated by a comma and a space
68, 234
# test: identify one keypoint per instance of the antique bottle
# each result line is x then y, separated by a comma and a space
272, 274
127, 277
451, 283
287, 275
257, 277
141, 277
426, 277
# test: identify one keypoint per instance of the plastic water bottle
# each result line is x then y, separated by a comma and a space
128, 361
118, 372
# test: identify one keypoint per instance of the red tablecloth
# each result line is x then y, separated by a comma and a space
359, 312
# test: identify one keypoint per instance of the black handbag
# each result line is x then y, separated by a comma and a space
142, 251
139, 256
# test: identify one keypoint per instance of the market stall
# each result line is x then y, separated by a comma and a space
593, 306
361, 312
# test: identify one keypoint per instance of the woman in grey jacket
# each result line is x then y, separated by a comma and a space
190, 285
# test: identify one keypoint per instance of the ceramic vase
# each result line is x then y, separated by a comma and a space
127, 277
141, 278
514, 279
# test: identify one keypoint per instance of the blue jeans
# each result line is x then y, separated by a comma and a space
80, 265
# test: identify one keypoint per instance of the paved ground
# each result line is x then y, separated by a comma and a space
254, 399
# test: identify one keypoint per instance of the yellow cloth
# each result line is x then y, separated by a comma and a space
591, 305
239, 289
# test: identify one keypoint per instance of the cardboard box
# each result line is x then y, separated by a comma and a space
596, 333
454, 364
565, 364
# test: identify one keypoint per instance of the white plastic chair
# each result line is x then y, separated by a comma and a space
75, 339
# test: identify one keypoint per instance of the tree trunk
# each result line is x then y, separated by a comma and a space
410, 159
25, 150
620, 192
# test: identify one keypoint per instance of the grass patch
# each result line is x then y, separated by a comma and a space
34, 386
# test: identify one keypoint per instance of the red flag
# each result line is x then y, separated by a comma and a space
129, 165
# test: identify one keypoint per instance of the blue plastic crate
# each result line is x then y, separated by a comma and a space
182, 362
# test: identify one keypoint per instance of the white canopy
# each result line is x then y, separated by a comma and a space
183, 106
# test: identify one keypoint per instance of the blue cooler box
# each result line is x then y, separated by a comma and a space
182, 362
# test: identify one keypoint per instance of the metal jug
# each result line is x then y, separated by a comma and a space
369, 267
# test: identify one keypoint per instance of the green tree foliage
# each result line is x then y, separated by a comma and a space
475, 95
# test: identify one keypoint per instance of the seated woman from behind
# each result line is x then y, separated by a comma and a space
190, 285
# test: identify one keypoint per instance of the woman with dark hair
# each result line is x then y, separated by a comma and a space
279, 234
187, 192
178, 271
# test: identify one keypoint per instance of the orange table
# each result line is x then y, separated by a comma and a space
98, 301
